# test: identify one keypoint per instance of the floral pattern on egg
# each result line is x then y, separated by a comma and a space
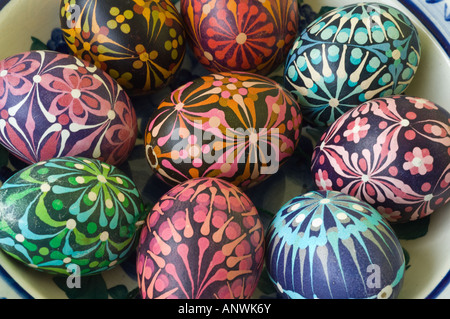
241, 35
350, 55
202, 240
329, 245
140, 43
393, 153
238, 126
56, 105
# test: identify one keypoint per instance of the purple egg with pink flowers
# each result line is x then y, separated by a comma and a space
56, 105
202, 240
393, 153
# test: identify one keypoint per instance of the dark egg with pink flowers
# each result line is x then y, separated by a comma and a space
393, 153
241, 127
252, 35
203, 239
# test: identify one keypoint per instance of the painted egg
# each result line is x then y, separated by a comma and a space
241, 35
56, 105
203, 240
329, 245
393, 153
350, 55
140, 43
70, 215
236, 126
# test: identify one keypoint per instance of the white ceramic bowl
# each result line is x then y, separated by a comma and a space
427, 274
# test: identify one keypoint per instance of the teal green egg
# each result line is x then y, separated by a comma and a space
70, 215
350, 55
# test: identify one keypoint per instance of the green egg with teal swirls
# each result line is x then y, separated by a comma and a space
70, 215
350, 55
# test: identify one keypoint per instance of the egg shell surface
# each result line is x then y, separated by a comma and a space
350, 55
202, 240
238, 126
241, 35
393, 153
329, 245
70, 215
56, 105
141, 44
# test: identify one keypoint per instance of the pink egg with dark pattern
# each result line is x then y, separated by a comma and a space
202, 240
393, 153
56, 105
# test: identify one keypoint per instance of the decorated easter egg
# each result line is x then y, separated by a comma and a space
139, 43
241, 35
329, 245
240, 127
350, 55
70, 215
56, 105
393, 153
203, 240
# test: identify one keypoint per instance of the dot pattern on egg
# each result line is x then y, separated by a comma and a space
350, 55
141, 44
69, 211
391, 152
203, 239
323, 244
252, 36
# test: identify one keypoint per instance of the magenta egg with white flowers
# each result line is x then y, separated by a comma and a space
393, 153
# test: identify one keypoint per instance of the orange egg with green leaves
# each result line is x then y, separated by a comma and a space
236, 35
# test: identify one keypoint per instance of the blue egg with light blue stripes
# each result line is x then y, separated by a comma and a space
342, 60
329, 245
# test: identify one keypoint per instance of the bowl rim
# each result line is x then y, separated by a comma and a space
422, 11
